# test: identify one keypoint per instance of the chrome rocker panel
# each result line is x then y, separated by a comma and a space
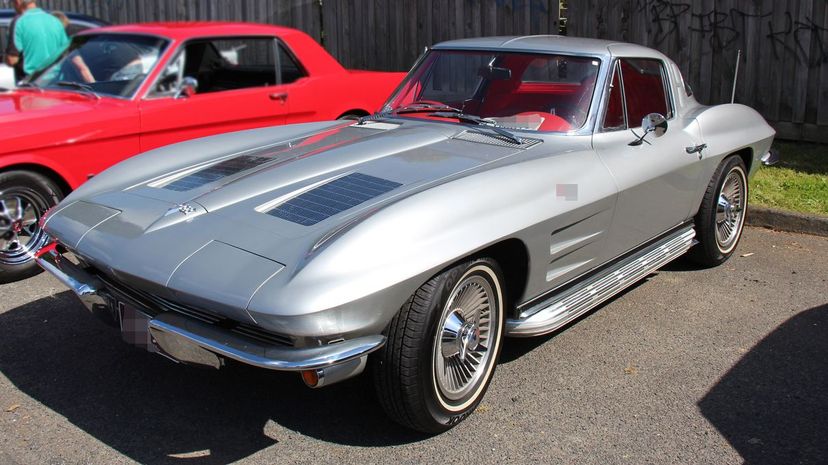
187, 340
555, 312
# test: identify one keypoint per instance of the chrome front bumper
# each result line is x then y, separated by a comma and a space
188, 340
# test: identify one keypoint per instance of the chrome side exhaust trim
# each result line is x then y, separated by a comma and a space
558, 310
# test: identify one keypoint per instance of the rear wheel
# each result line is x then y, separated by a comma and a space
442, 348
24, 197
721, 216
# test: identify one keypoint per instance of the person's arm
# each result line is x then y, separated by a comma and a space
84, 71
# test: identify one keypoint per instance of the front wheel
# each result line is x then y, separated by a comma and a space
442, 348
721, 215
24, 198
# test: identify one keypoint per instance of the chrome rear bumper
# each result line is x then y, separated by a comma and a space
187, 340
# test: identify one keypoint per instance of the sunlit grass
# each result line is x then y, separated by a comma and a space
798, 183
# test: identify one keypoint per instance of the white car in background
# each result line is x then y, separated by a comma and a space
77, 23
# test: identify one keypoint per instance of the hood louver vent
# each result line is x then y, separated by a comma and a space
493, 139
215, 172
332, 198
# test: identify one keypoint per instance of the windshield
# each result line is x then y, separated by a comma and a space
109, 64
540, 92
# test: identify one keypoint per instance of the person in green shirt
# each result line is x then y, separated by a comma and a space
39, 36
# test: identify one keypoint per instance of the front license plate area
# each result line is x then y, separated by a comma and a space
135, 326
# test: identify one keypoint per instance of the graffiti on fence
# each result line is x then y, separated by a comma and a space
804, 39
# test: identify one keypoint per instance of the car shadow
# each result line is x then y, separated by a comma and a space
157, 412
772, 405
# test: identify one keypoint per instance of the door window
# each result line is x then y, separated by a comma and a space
222, 65
645, 89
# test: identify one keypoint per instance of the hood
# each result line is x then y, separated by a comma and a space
254, 213
32, 118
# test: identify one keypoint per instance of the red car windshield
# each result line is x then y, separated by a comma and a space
113, 64
543, 92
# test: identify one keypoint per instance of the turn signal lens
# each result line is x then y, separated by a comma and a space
310, 377
42, 220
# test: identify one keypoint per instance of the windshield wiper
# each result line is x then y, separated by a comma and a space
419, 107
478, 121
414, 107
79, 86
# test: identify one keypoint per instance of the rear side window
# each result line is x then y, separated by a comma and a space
645, 89
290, 69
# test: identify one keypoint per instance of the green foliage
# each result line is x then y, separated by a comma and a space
799, 182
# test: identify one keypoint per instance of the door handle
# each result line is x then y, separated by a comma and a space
697, 149
280, 96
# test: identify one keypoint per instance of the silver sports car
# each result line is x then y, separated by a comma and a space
509, 185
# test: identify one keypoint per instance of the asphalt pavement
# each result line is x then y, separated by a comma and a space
716, 366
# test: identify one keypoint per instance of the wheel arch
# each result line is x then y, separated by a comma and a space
353, 112
512, 256
746, 154
43, 170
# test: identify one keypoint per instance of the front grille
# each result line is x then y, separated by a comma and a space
155, 305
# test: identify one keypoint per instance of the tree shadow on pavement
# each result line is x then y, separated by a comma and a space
772, 405
154, 411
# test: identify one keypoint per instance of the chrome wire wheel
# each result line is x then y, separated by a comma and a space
467, 339
730, 209
20, 234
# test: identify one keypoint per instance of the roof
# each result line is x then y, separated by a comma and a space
549, 43
187, 29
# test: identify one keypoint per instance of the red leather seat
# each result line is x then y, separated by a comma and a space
550, 122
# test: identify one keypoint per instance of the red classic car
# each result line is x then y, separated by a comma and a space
122, 90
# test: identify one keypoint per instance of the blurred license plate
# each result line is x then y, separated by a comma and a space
135, 326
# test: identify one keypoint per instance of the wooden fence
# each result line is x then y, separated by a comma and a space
365, 34
300, 14
783, 72
784, 67
391, 34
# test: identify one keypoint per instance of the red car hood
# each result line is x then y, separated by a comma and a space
31, 119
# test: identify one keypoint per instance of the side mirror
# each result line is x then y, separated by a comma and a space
655, 123
187, 87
